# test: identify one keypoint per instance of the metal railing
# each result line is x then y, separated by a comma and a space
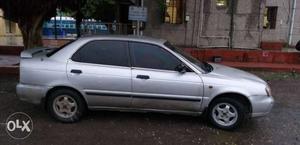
111, 28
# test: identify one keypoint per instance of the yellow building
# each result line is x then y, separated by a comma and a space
10, 33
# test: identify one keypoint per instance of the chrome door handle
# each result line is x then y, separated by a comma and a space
144, 77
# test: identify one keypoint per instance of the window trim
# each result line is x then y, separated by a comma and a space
153, 69
128, 53
100, 65
183, 61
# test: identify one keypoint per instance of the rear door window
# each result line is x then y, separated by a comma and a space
103, 52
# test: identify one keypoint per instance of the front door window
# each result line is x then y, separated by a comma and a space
153, 57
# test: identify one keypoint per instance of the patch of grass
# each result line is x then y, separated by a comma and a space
277, 75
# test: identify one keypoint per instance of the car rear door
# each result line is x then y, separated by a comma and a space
101, 69
156, 84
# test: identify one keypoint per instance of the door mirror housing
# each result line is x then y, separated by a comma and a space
181, 68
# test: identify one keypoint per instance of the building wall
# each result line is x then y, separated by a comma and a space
13, 37
247, 24
296, 30
15, 31
209, 25
217, 23
2, 23
179, 34
281, 33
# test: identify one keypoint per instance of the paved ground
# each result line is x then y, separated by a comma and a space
280, 127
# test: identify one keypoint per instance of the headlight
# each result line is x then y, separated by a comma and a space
268, 91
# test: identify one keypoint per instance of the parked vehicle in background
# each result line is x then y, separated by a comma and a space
66, 27
138, 74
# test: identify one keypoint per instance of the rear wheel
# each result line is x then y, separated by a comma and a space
66, 105
227, 113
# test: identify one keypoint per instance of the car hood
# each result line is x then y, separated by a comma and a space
229, 72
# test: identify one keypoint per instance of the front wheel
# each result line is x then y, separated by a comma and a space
227, 113
66, 105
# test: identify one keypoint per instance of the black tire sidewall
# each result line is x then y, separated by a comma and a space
238, 106
81, 107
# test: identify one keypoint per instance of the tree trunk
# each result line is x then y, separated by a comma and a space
31, 37
79, 17
31, 30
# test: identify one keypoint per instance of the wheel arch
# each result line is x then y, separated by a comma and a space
237, 96
53, 89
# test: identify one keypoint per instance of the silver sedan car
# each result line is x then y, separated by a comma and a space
127, 73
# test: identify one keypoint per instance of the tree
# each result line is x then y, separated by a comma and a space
30, 15
103, 10
74, 8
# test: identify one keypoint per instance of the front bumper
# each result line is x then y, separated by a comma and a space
31, 93
261, 105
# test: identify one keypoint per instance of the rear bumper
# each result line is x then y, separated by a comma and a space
261, 105
31, 93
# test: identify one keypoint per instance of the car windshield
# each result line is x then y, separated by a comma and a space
59, 48
203, 65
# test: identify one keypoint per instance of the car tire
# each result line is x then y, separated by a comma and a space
227, 113
66, 105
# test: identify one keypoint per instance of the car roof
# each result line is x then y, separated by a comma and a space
124, 38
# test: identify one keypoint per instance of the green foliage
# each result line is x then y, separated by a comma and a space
17, 10
30, 14
162, 9
161, 4
99, 9
22, 10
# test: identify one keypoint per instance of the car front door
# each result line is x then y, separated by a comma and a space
157, 85
101, 70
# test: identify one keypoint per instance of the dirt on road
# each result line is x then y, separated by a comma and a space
281, 126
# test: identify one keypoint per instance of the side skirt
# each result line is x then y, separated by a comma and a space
120, 109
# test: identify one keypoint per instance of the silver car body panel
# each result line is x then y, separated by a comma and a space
116, 88
112, 84
167, 90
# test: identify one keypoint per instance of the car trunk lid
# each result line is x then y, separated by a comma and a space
30, 53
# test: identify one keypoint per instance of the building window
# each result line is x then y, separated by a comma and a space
270, 16
174, 11
222, 3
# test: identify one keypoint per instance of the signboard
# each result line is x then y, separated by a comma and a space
137, 13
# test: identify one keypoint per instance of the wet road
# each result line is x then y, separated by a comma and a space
281, 126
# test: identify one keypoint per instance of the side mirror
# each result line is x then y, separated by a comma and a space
181, 68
